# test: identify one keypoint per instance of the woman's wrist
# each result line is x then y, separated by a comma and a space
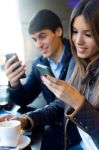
79, 103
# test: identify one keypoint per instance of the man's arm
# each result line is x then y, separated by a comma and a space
51, 114
24, 94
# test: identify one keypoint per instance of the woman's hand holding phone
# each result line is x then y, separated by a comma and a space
44, 69
14, 69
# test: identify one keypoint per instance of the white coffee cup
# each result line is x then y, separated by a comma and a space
10, 132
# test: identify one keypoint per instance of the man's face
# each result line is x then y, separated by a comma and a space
48, 42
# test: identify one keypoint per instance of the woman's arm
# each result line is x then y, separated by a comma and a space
81, 112
64, 91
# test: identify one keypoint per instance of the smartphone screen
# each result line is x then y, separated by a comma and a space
44, 69
8, 56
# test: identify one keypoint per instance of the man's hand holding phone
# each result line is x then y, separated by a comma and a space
14, 69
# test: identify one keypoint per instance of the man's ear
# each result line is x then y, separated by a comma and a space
59, 31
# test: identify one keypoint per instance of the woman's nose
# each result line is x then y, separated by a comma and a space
79, 40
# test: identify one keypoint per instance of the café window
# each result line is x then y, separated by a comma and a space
10, 33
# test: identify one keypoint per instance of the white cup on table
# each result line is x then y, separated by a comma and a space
10, 132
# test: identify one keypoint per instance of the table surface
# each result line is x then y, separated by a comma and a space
35, 135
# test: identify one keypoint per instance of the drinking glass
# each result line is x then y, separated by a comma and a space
4, 96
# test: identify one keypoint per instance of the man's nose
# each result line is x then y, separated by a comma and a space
38, 44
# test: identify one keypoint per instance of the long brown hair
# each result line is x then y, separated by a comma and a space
90, 10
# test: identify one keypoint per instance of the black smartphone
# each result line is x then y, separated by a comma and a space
44, 69
8, 56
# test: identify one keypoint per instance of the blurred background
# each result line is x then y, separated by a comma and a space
14, 18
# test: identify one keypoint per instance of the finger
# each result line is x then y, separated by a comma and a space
9, 62
52, 79
12, 68
49, 80
16, 74
52, 87
16, 118
7, 117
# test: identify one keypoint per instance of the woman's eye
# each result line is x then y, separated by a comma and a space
88, 34
74, 31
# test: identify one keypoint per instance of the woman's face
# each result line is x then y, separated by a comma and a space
83, 39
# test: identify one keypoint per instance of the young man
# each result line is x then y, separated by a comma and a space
46, 30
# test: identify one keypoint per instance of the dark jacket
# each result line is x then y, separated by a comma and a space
25, 94
87, 117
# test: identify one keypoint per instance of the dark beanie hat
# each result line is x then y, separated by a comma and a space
44, 19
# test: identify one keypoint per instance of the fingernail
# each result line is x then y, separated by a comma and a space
45, 75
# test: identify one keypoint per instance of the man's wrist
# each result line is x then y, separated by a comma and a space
29, 123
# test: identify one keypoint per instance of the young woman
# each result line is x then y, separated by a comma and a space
81, 93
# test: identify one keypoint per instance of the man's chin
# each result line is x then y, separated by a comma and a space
45, 56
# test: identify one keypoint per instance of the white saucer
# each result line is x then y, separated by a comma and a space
23, 142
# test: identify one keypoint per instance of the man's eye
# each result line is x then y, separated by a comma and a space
43, 36
34, 39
